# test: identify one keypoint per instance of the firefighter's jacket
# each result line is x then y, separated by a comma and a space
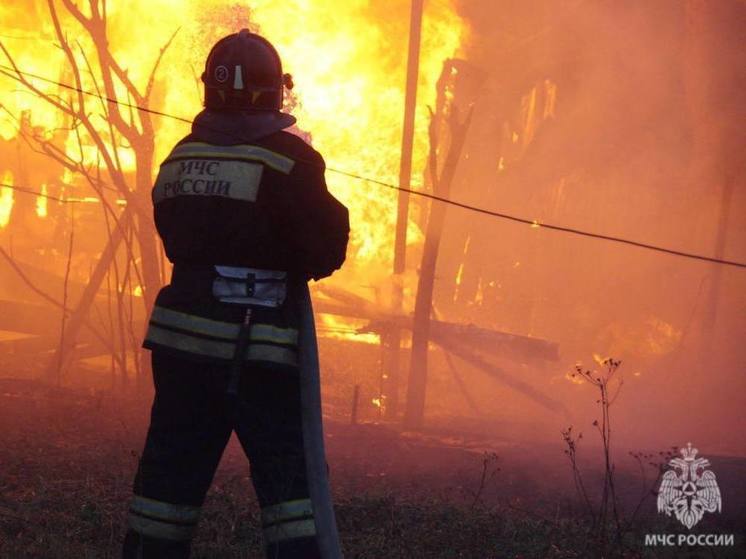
262, 205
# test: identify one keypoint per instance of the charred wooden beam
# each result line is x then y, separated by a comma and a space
340, 302
503, 376
490, 341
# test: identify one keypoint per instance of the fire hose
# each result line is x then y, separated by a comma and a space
313, 432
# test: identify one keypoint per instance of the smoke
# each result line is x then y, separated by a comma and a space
622, 119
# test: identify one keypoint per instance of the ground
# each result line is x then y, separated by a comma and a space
67, 459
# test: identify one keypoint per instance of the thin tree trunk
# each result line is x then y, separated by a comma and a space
146, 237
417, 387
402, 218
713, 299
64, 353
709, 167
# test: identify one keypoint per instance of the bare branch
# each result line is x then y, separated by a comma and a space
151, 79
46, 296
20, 78
65, 46
28, 281
114, 171
76, 13
66, 284
98, 186
104, 106
96, 28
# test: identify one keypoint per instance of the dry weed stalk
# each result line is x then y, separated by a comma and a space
606, 517
607, 523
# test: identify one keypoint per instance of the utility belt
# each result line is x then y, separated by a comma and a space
214, 332
234, 284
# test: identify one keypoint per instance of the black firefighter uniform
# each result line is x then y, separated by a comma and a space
245, 224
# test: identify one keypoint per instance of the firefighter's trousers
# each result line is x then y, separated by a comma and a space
191, 422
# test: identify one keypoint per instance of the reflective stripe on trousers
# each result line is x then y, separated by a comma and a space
288, 520
213, 338
161, 520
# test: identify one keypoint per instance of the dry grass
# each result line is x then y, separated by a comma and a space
67, 467
67, 461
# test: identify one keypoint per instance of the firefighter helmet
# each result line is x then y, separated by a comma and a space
244, 71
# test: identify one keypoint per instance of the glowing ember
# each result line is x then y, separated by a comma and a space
6, 199
41, 202
599, 358
336, 327
479, 297
574, 378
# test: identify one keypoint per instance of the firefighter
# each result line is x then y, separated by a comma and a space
245, 217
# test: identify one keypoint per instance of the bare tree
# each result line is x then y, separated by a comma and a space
109, 120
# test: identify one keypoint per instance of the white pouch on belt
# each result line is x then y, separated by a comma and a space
250, 286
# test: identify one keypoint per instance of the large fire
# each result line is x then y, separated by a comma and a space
348, 60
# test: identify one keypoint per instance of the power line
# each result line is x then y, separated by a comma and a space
536, 223
10, 71
20, 37
32, 192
